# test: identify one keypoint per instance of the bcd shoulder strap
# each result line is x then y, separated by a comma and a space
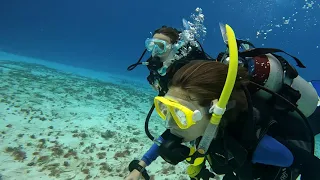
259, 51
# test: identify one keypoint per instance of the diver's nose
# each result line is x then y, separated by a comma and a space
171, 124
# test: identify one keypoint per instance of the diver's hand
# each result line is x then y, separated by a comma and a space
134, 175
134, 168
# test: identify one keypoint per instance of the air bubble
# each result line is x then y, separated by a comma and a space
194, 29
308, 7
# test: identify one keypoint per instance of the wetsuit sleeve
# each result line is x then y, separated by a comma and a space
271, 152
152, 153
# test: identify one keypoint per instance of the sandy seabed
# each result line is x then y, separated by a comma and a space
57, 125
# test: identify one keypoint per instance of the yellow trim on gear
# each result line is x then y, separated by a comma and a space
231, 77
193, 170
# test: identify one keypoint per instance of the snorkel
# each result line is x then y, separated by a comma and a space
218, 109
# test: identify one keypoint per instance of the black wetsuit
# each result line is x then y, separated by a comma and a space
314, 121
304, 163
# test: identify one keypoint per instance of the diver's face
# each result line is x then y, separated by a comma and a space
195, 130
168, 40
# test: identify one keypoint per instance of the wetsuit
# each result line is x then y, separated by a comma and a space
314, 121
272, 157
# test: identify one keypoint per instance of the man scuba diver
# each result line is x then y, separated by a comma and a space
289, 95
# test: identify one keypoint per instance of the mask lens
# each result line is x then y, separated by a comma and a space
157, 46
161, 109
160, 45
181, 117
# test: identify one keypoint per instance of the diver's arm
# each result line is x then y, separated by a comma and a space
152, 153
135, 170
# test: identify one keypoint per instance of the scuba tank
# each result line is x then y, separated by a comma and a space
275, 73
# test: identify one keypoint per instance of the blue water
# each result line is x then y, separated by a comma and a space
107, 36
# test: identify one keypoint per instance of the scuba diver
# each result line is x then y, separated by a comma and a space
170, 51
169, 147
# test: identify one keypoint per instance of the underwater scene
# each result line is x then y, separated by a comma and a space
74, 95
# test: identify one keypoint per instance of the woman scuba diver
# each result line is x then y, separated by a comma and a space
236, 147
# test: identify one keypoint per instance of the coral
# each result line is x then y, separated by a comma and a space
166, 170
54, 169
66, 163
90, 149
31, 164
43, 160
17, 153
82, 134
121, 154
42, 143
134, 140
105, 167
101, 155
70, 152
57, 150
85, 171
90, 164
108, 134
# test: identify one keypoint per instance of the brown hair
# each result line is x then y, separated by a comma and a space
172, 33
205, 80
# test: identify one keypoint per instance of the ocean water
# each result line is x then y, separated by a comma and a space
69, 109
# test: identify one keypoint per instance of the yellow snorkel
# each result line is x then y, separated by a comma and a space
219, 108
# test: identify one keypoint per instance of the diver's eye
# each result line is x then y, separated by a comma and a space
160, 45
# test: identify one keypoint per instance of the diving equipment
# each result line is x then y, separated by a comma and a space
157, 46
267, 70
220, 107
316, 85
275, 73
184, 115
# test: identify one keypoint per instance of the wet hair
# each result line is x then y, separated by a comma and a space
205, 81
172, 33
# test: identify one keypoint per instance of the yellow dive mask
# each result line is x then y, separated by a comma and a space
183, 116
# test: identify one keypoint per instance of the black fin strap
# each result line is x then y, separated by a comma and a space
259, 51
